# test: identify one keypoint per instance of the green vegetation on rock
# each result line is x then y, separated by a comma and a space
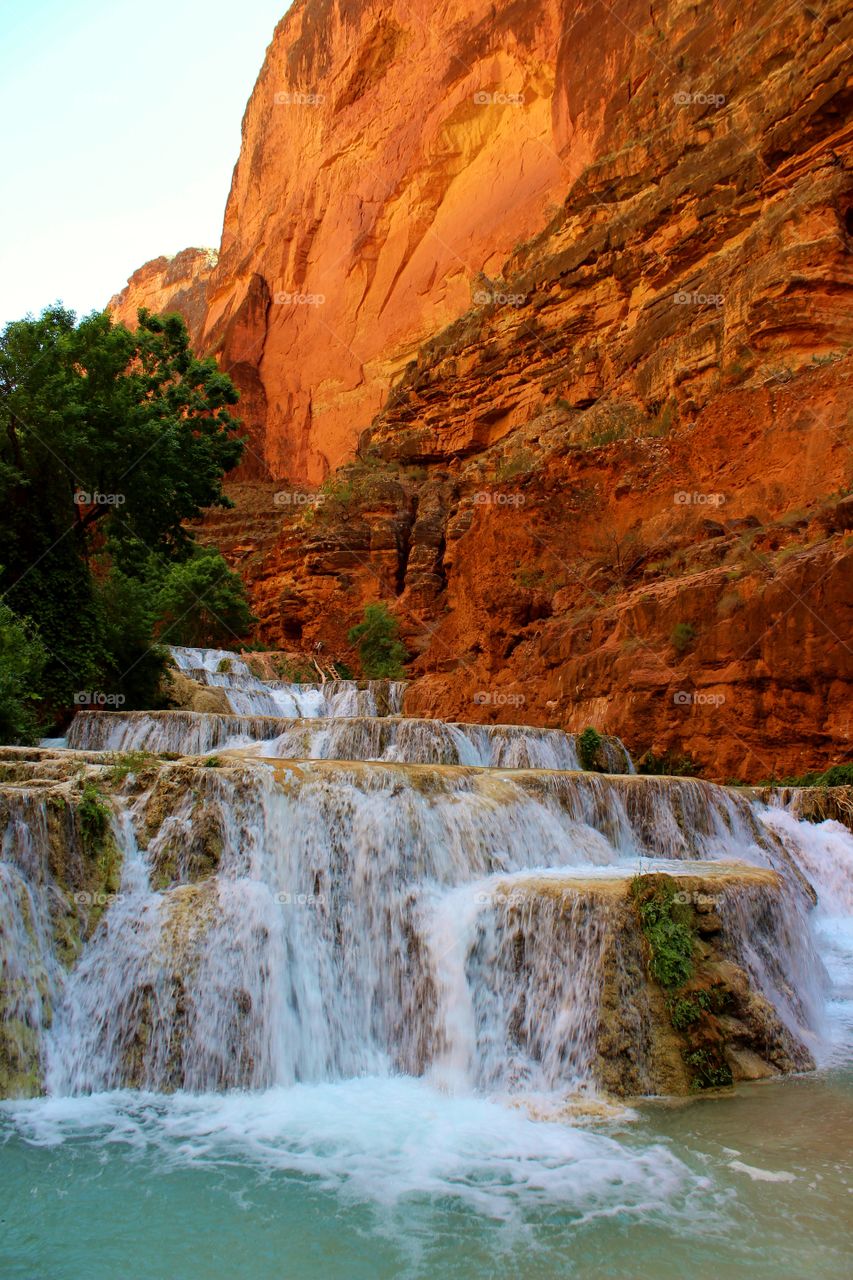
93, 814
381, 652
682, 636
680, 963
669, 764
589, 746
839, 775
707, 1072
665, 926
127, 763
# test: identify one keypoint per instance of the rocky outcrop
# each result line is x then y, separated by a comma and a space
812, 804
566, 586
394, 156
176, 284
186, 694
676, 1009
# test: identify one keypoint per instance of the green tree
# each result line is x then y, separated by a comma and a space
22, 659
109, 441
132, 663
201, 602
381, 652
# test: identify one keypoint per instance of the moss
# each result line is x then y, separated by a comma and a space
93, 815
128, 762
19, 1060
213, 762
696, 993
666, 925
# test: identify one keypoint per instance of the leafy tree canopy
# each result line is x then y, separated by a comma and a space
105, 428
22, 660
202, 603
381, 652
110, 440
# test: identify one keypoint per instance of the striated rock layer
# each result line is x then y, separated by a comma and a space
601, 260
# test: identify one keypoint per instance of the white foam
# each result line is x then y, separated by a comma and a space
387, 1141
761, 1175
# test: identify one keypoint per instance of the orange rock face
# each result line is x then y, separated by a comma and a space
169, 284
391, 152
572, 280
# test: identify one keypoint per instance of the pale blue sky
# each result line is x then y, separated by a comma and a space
121, 127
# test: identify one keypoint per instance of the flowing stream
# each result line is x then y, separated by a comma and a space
342, 1014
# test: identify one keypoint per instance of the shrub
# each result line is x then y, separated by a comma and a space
669, 765
589, 746
683, 1013
838, 775
202, 603
381, 652
708, 1073
682, 636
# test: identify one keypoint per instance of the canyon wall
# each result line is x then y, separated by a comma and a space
573, 287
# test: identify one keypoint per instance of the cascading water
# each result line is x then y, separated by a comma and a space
338, 898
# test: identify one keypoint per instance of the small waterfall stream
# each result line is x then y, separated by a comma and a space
338, 894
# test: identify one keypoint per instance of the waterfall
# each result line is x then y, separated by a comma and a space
340, 895
249, 695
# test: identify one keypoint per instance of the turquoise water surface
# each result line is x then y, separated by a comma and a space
387, 1178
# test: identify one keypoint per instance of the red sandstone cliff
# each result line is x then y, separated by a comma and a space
601, 258
169, 284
